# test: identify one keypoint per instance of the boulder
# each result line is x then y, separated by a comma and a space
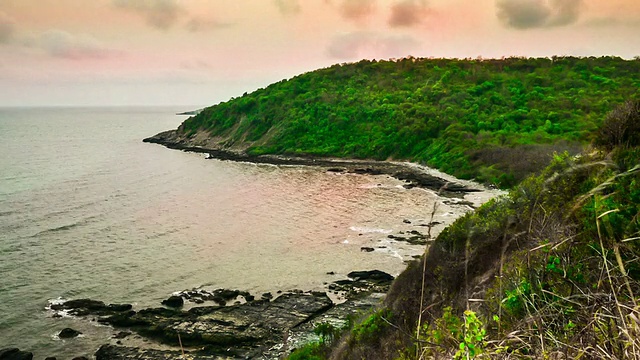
68, 333
173, 301
15, 354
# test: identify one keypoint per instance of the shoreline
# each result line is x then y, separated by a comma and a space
414, 175
448, 190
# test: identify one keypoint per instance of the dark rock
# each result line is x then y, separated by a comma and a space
111, 352
173, 301
68, 333
367, 171
15, 354
267, 296
119, 307
406, 221
331, 273
337, 170
371, 275
80, 358
121, 335
367, 249
245, 327
83, 307
50, 358
198, 301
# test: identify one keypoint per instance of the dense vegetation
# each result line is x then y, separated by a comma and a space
493, 120
549, 271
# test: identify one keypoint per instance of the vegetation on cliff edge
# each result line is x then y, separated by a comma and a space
493, 120
549, 271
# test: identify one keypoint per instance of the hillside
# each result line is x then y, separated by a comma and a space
549, 271
493, 120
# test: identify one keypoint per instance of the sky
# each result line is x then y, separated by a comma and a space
202, 52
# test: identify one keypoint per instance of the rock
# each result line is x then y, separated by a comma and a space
371, 276
246, 328
267, 295
367, 249
68, 333
111, 352
83, 307
173, 301
331, 273
406, 221
15, 354
50, 358
121, 335
80, 358
337, 170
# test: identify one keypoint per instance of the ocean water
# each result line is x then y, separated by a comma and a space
89, 211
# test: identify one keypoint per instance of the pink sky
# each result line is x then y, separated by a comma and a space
201, 52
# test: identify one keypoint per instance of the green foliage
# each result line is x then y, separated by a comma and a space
311, 351
462, 116
369, 329
466, 335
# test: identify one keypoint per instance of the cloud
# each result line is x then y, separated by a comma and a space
357, 9
370, 45
601, 22
161, 14
7, 28
527, 14
566, 12
197, 24
61, 44
288, 7
408, 13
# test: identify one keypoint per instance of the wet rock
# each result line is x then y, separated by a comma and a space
15, 354
376, 276
268, 296
367, 171
367, 249
68, 333
83, 307
111, 352
245, 327
406, 221
50, 358
173, 301
80, 358
336, 170
121, 335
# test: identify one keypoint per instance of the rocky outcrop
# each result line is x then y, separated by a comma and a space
411, 176
268, 327
15, 354
83, 307
173, 301
68, 333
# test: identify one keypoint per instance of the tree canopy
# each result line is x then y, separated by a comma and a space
495, 120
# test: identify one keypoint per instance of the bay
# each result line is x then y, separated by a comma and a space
89, 211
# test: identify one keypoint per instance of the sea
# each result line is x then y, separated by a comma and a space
87, 210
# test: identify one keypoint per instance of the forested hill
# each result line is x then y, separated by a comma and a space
493, 120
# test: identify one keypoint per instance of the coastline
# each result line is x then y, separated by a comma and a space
414, 175
453, 192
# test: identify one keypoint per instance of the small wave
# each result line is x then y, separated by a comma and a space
366, 230
57, 313
60, 228
65, 227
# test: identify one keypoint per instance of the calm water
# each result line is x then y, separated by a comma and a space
88, 210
